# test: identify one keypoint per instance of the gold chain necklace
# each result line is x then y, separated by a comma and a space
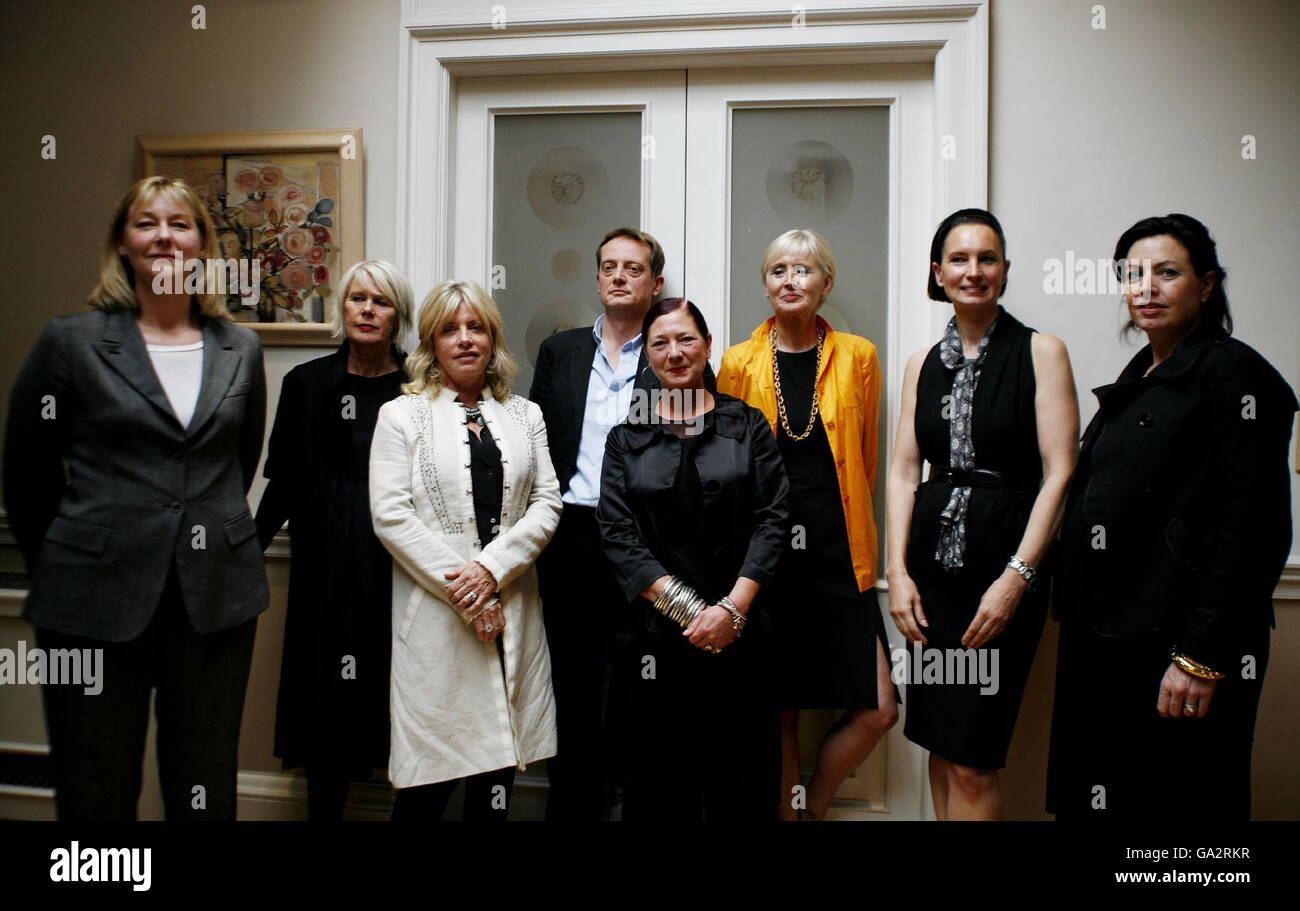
780, 399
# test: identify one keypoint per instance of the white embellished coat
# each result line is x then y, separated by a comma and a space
454, 712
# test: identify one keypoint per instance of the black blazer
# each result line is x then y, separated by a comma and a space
559, 386
140, 492
1183, 477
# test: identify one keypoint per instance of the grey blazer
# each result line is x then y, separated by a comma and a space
105, 489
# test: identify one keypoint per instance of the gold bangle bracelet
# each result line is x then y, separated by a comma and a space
1195, 668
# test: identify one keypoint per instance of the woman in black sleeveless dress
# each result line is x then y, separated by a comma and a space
992, 409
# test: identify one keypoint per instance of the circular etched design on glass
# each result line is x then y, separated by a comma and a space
566, 265
809, 182
567, 186
555, 317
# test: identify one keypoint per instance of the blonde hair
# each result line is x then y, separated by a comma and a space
438, 308
385, 278
115, 289
801, 242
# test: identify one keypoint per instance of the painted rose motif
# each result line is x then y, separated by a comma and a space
291, 194
281, 222
296, 242
296, 277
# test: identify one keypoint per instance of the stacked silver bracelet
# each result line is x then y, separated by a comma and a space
679, 602
737, 618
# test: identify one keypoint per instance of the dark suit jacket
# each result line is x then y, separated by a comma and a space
140, 491
560, 387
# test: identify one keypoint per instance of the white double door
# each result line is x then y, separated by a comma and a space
714, 163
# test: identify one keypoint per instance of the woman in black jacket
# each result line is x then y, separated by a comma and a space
332, 713
1177, 527
693, 515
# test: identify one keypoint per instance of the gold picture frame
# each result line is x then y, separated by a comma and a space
293, 200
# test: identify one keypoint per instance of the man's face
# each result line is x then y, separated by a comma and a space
624, 280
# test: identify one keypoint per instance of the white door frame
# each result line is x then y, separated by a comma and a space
442, 40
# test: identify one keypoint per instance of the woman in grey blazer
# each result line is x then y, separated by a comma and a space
142, 554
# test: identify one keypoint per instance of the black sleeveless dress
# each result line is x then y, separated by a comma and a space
964, 710
826, 629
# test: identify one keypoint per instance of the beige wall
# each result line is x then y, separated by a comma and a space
1089, 131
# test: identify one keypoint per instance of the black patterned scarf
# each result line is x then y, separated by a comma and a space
951, 549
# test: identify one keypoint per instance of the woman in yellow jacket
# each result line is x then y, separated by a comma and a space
820, 392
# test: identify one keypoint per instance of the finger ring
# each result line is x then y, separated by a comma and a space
708, 648
1189, 709
488, 628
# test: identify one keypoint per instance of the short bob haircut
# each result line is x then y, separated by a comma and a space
645, 239
1202, 251
665, 306
436, 311
115, 289
389, 281
956, 219
799, 242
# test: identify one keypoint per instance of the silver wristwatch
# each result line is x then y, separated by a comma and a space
1027, 572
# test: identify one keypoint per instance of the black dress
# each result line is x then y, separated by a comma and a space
332, 708
696, 733
970, 722
826, 628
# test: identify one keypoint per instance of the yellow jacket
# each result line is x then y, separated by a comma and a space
848, 388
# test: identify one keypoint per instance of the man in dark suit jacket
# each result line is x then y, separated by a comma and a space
584, 382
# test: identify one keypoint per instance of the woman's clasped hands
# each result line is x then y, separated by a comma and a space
472, 590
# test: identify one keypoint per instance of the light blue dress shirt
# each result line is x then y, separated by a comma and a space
609, 396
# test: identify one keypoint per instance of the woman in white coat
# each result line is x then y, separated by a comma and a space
464, 497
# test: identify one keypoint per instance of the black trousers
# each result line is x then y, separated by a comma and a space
1113, 756
581, 603
698, 733
483, 801
97, 741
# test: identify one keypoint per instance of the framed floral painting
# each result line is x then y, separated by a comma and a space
290, 201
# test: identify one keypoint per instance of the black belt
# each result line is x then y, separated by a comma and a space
981, 477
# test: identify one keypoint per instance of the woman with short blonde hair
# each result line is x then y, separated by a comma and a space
389, 282
820, 392
340, 576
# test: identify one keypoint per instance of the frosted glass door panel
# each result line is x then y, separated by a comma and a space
825, 168
560, 182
